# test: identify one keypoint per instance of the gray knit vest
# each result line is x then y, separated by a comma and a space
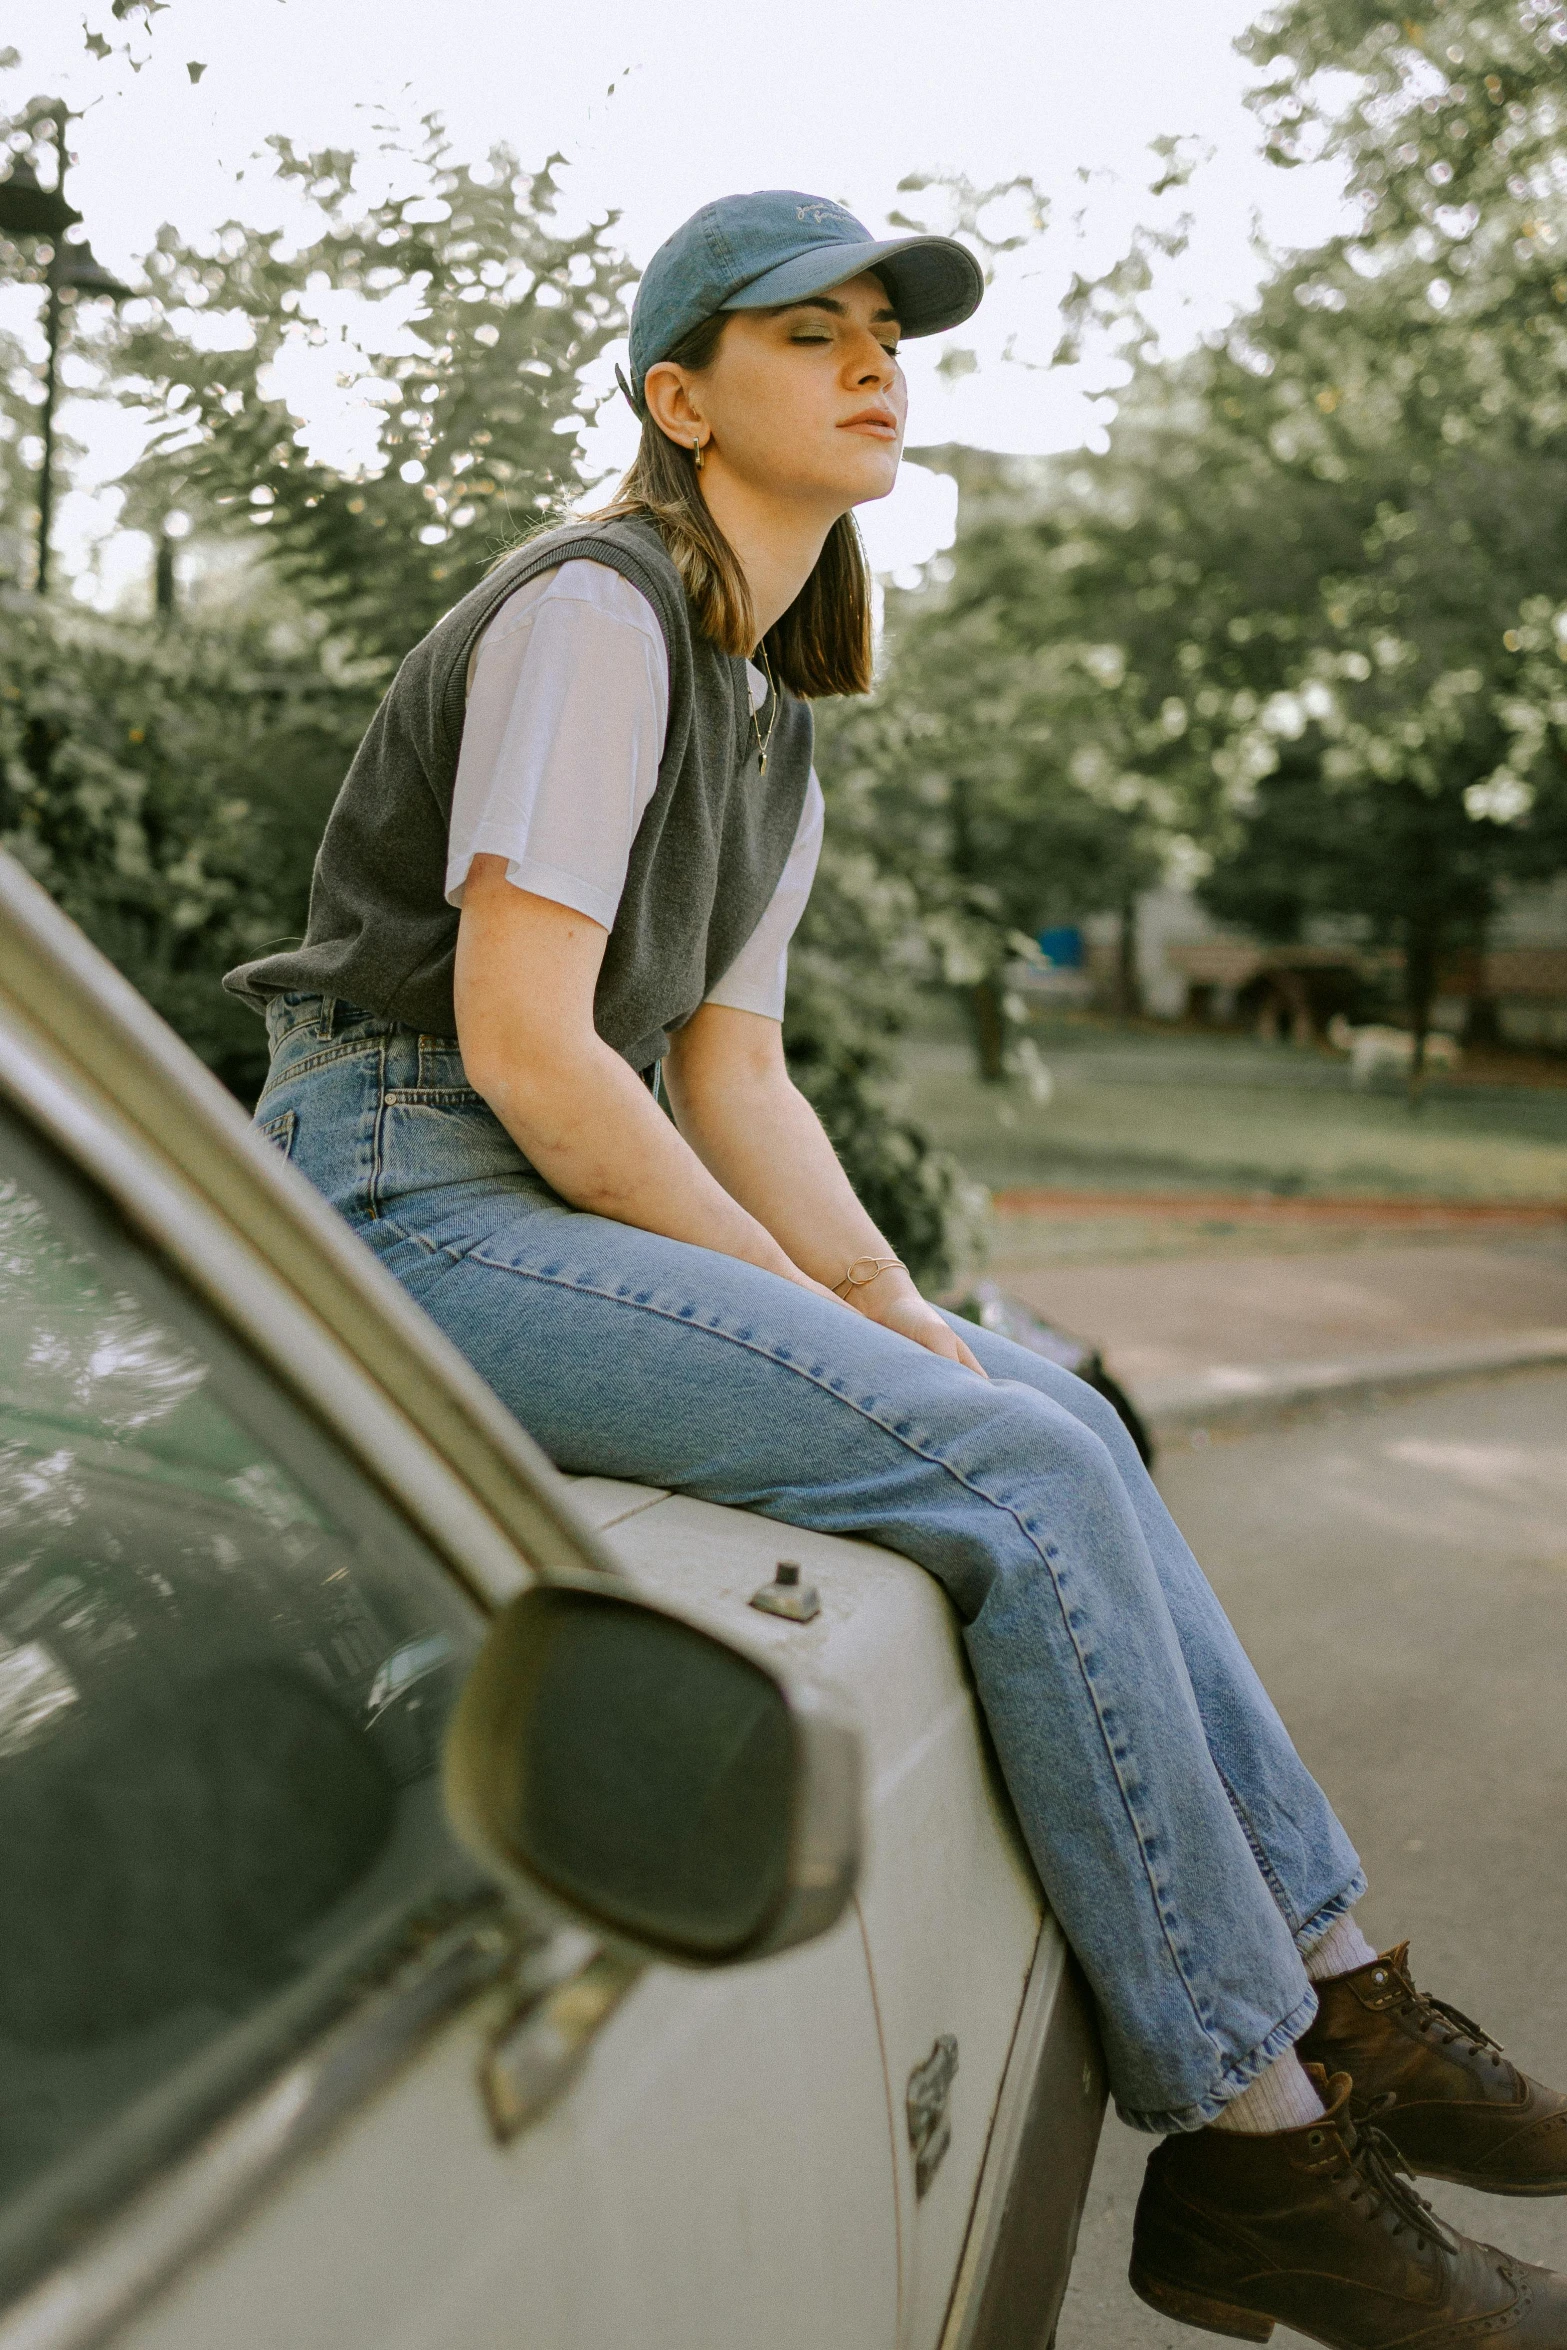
707, 856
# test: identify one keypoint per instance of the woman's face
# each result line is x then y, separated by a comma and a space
805, 404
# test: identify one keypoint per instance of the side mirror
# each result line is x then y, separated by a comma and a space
657, 1783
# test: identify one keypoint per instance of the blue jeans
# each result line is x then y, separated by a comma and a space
1185, 1849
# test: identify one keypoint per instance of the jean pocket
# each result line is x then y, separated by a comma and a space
280, 1131
434, 1135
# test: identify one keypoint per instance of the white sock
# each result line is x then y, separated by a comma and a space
1282, 2098
1342, 1948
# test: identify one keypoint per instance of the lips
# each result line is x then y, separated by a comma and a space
879, 420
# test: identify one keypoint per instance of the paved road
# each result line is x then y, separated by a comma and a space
1400, 1577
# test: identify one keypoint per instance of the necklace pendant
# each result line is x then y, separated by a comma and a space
761, 763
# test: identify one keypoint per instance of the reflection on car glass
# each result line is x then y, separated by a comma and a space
87, 1378
32, 1689
225, 1670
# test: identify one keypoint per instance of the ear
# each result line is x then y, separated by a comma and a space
668, 392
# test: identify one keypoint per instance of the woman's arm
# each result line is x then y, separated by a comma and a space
526, 971
743, 1117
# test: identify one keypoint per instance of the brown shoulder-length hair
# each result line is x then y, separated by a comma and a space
822, 644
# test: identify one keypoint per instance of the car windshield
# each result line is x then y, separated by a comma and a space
225, 1667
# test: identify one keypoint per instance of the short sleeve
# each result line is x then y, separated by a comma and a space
757, 979
562, 738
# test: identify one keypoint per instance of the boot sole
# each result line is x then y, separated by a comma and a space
1199, 2309
1490, 2186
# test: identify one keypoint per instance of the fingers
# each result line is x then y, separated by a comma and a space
817, 1288
933, 1334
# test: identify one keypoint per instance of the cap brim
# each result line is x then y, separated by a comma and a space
934, 282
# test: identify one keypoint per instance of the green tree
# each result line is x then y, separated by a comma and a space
460, 322
1316, 556
1307, 595
1011, 765
1449, 131
864, 946
168, 790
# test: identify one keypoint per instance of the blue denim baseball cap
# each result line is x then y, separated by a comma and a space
756, 252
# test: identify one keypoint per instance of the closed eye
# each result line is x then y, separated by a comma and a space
807, 336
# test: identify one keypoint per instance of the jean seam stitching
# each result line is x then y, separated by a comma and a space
280, 1128
376, 1159
493, 1264
437, 1094
284, 1069
432, 1248
1259, 1854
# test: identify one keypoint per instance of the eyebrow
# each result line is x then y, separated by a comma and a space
838, 309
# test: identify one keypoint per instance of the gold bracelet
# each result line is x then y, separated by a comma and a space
855, 1279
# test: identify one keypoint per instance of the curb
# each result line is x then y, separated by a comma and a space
1263, 1209
1232, 1394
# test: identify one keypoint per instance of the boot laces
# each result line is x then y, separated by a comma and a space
1448, 2022
1378, 2172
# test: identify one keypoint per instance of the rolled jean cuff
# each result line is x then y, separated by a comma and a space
1229, 2085
1323, 1920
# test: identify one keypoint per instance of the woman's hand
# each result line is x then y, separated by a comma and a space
910, 1315
731, 1093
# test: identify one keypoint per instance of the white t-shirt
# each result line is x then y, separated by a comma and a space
568, 698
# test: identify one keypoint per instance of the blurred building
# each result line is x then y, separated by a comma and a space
1192, 968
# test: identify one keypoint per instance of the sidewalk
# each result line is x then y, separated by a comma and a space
1216, 1339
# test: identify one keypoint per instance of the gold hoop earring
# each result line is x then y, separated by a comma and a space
696, 455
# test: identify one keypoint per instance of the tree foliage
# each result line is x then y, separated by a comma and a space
1317, 572
864, 946
168, 790
454, 325
1450, 130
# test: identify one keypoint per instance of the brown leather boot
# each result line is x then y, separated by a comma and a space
1315, 2229
1437, 2085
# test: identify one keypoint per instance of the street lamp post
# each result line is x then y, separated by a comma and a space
27, 210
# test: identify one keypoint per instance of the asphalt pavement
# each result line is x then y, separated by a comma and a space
1399, 1575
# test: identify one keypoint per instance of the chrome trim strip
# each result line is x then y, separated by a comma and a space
1043, 2137
218, 2182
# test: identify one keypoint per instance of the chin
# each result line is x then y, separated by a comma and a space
873, 481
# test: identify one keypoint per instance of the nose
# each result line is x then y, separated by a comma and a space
873, 366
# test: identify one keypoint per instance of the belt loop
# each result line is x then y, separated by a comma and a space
328, 1017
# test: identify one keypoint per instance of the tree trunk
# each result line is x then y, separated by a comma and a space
1482, 1029
1483, 1023
1128, 992
987, 1014
986, 1009
1420, 992
165, 587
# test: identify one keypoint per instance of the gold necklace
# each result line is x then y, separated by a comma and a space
764, 743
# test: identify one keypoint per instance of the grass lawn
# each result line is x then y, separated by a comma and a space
1137, 1111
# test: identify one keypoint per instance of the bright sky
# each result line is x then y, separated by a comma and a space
655, 112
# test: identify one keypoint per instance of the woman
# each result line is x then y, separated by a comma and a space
568, 857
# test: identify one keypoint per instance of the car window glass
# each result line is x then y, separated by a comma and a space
225, 1667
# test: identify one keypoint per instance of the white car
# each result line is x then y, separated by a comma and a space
440, 1908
